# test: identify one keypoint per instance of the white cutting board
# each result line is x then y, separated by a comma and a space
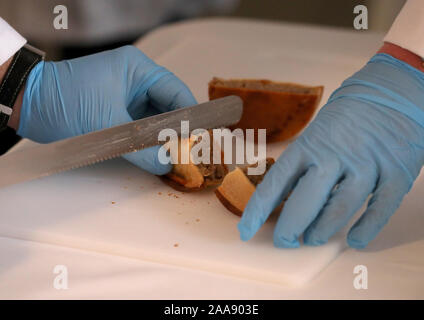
114, 207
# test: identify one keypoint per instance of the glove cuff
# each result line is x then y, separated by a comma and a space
387, 82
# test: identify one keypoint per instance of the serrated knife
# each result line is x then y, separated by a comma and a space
48, 159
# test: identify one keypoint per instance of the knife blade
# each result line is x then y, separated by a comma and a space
94, 147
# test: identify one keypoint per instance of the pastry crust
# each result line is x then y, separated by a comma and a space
235, 191
237, 188
283, 109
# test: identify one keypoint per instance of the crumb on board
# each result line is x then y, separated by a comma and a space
171, 194
113, 202
197, 220
160, 193
176, 245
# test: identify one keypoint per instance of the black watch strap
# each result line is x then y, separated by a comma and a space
17, 73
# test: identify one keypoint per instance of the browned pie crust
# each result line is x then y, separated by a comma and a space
177, 183
227, 204
283, 109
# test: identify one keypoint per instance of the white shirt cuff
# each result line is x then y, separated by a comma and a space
10, 41
408, 29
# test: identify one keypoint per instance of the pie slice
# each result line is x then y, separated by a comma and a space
193, 177
283, 109
237, 187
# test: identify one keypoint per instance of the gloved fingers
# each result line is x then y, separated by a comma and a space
305, 202
166, 94
152, 84
382, 205
169, 93
148, 160
138, 111
344, 202
276, 185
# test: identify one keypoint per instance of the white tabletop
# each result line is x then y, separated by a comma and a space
394, 260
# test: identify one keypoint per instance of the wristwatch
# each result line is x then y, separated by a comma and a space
17, 73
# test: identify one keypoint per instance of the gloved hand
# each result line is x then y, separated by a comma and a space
73, 97
368, 139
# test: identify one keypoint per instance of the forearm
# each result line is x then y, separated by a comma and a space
404, 40
14, 118
408, 28
404, 55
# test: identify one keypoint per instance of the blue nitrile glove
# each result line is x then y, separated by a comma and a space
73, 97
368, 139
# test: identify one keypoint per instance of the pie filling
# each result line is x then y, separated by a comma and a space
212, 173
